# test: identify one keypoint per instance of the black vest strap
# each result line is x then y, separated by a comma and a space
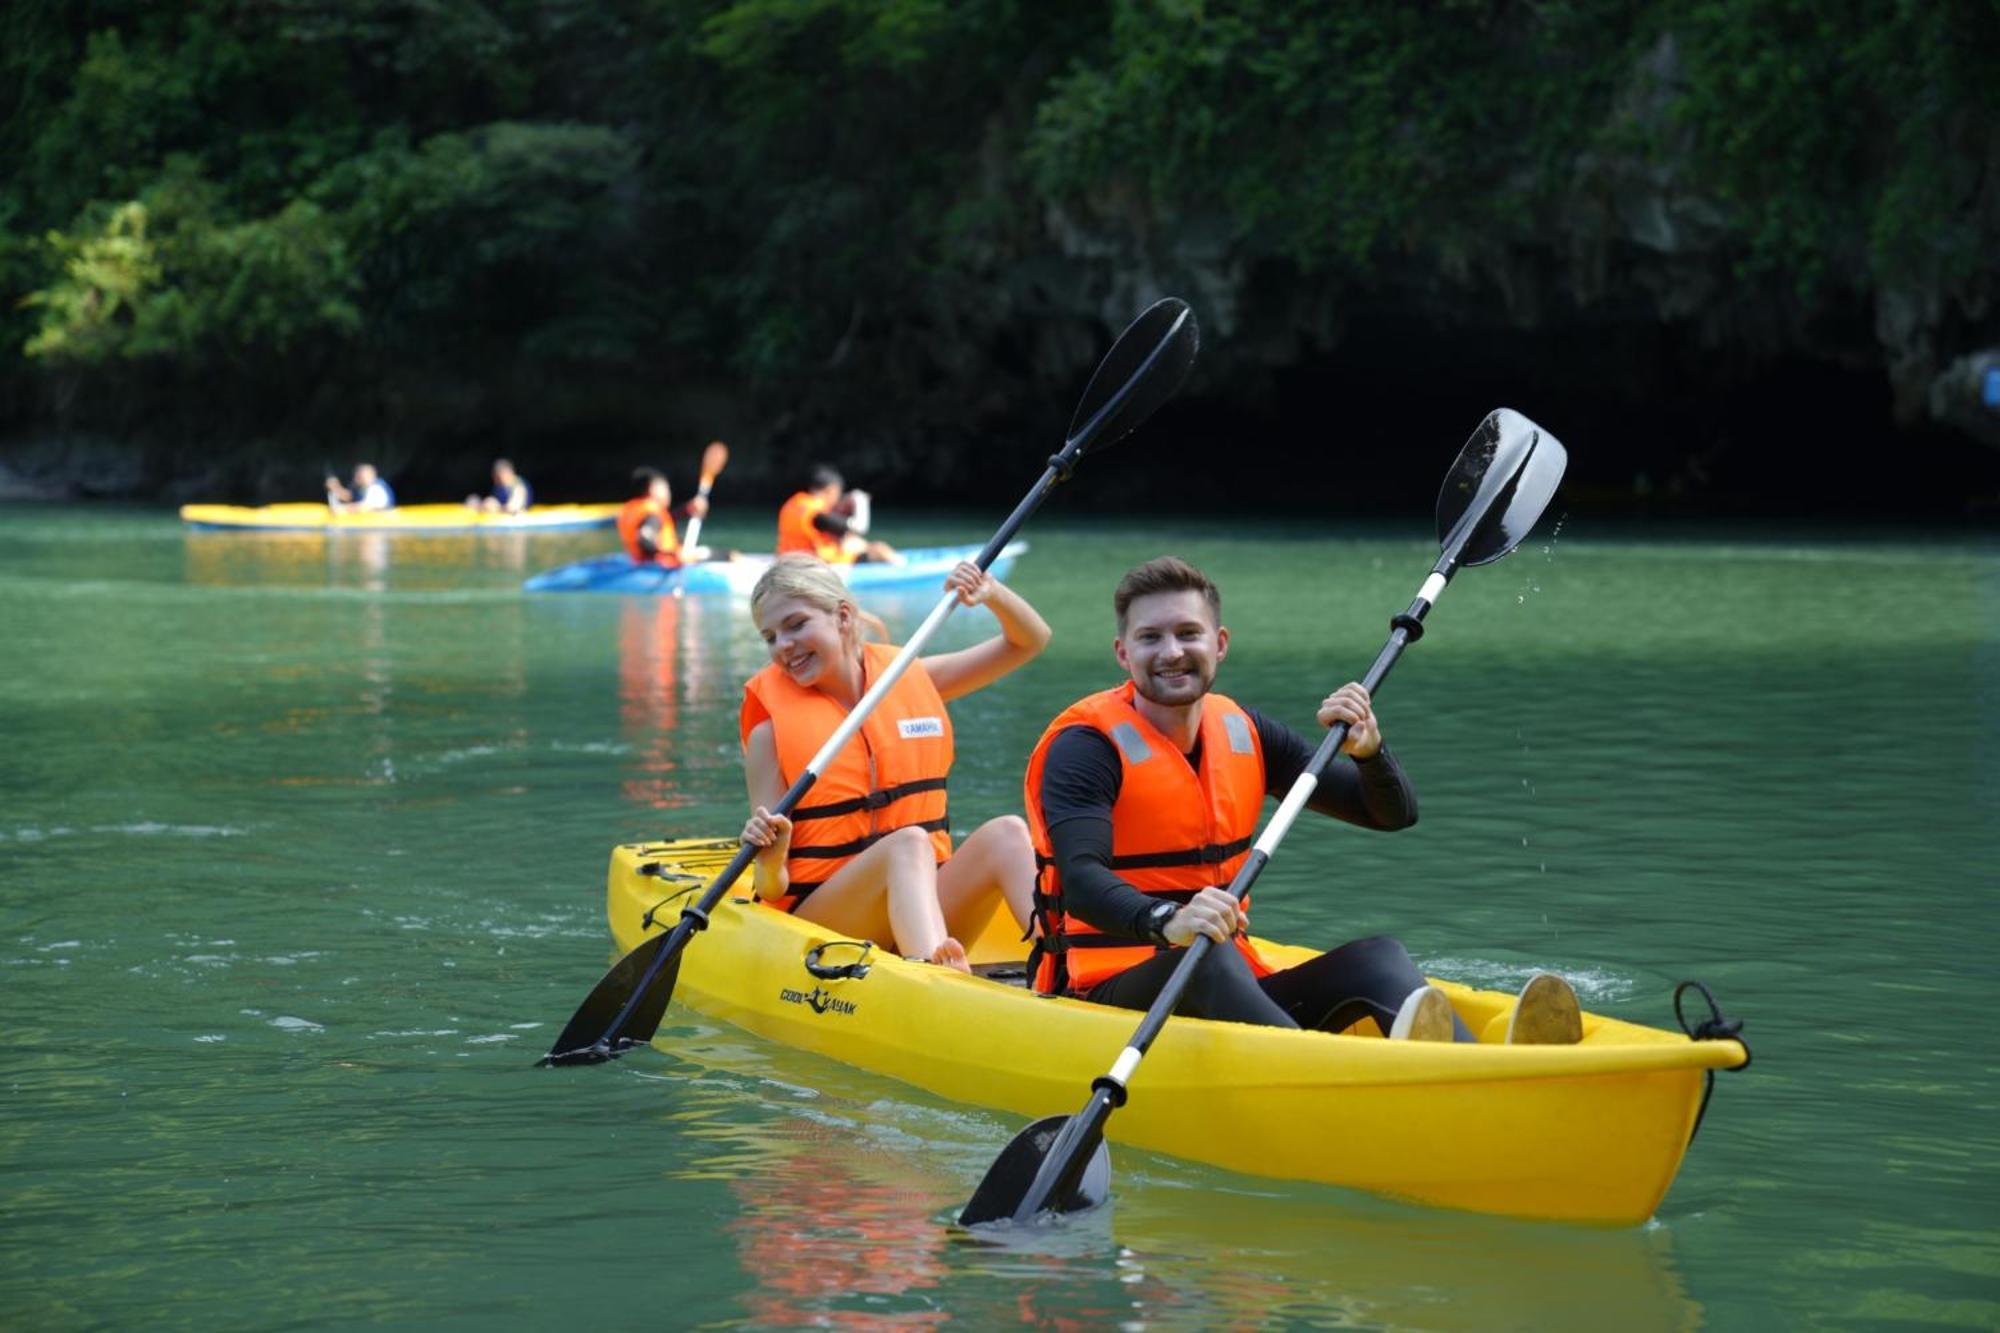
1212, 854
860, 845
874, 800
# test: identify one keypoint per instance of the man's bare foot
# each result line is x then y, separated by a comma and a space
951, 954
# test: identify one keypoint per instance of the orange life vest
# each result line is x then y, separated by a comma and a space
633, 517
1174, 831
891, 775
797, 533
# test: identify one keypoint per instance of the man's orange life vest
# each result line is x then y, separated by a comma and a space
890, 775
1174, 831
797, 533
633, 517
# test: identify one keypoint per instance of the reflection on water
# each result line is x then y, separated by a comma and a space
848, 1182
652, 660
302, 849
360, 560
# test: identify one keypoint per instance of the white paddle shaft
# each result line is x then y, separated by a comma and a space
883, 684
694, 524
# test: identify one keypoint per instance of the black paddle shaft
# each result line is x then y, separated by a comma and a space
1142, 370
1071, 1151
1408, 627
575, 1047
1497, 489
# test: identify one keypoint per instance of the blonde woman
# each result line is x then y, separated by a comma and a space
868, 852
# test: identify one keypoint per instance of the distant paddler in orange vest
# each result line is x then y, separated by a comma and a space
646, 525
871, 857
830, 522
1144, 801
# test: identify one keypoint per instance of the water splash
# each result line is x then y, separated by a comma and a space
1531, 581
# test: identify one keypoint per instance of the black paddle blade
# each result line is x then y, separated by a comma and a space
1012, 1176
1498, 488
590, 1037
1141, 371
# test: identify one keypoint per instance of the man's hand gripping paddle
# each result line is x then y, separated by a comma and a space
1140, 372
1490, 500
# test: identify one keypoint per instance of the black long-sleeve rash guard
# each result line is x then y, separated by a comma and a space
1081, 779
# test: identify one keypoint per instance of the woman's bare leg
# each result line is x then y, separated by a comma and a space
998, 857
887, 894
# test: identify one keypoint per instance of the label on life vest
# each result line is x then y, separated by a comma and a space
914, 728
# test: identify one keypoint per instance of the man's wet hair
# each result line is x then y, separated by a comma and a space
822, 477
1167, 573
644, 477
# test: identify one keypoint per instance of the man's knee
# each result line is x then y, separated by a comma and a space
1221, 972
1377, 949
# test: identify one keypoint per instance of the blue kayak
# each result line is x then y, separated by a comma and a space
922, 569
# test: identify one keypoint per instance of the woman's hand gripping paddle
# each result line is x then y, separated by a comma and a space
1141, 371
713, 460
1495, 491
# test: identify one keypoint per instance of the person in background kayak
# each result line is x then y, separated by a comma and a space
830, 522
510, 493
369, 494
869, 854
646, 523
1143, 801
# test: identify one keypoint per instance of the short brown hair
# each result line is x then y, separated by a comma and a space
1167, 573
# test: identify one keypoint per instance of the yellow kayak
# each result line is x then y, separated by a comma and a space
1588, 1133
405, 518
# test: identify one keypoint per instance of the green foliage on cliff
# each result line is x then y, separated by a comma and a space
840, 200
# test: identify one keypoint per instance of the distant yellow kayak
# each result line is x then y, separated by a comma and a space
406, 518
1591, 1133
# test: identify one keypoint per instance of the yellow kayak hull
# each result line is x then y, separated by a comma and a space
1587, 1133
405, 518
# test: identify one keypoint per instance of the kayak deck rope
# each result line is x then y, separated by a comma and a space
1716, 1027
832, 972
646, 922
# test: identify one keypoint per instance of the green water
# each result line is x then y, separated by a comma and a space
302, 849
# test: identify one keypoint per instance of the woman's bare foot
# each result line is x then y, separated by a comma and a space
951, 954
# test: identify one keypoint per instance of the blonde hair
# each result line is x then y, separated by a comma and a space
812, 581
806, 577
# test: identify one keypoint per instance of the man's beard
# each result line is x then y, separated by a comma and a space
1146, 687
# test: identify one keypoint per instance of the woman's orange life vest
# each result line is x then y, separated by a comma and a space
1174, 831
890, 775
633, 517
797, 533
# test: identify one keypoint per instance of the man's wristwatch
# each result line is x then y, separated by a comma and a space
1156, 921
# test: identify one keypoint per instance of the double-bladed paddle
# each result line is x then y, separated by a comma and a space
1141, 371
1494, 493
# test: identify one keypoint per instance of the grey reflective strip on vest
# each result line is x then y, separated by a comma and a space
1238, 727
1131, 744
